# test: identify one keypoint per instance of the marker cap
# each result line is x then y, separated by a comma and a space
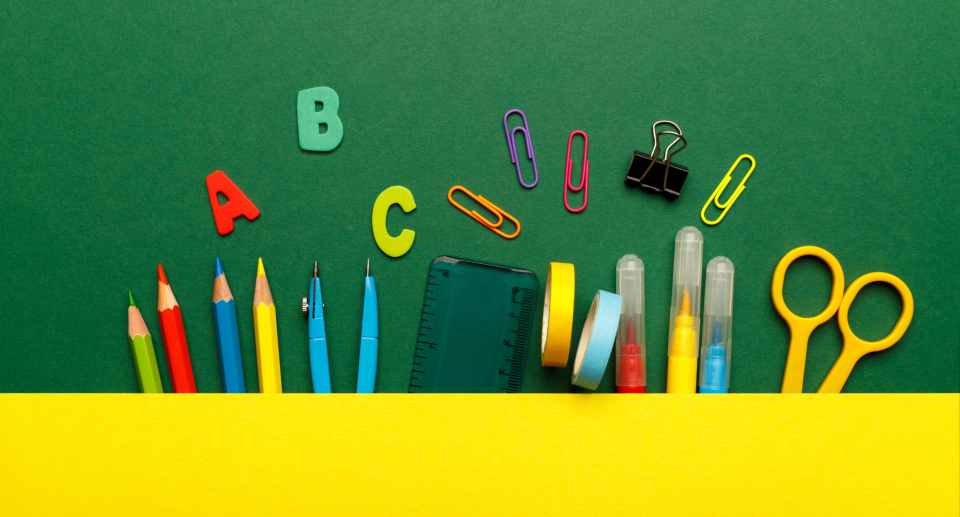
717, 323
631, 348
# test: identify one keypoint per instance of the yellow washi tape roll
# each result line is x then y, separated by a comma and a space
557, 315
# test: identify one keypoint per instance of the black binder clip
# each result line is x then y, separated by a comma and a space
658, 176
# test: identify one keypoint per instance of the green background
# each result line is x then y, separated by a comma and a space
113, 114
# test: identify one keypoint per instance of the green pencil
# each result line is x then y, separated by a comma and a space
141, 345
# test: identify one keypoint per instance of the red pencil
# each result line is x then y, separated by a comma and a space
174, 339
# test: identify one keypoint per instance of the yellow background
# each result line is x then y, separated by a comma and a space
586, 455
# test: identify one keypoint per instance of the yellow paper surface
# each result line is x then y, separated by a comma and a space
585, 455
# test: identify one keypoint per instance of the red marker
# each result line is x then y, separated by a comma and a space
631, 374
631, 352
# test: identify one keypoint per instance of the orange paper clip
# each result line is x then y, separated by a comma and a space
489, 206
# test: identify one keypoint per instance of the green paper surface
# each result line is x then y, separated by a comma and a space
115, 112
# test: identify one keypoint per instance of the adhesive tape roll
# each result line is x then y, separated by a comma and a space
599, 331
557, 315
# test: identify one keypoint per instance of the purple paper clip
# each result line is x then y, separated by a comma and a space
525, 128
585, 175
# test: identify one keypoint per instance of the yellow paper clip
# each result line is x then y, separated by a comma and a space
489, 206
715, 197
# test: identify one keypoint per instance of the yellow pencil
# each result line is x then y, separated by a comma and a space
265, 330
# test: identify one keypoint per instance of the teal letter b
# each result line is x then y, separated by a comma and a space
310, 119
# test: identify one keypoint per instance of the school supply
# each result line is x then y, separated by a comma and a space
631, 347
228, 334
717, 327
683, 347
557, 315
853, 347
317, 336
489, 206
238, 204
141, 346
715, 197
584, 176
399, 245
310, 118
596, 341
512, 146
474, 328
174, 337
265, 331
652, 174
369, 337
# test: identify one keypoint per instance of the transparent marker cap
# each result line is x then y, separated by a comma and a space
717, 323
685, 304
631, 343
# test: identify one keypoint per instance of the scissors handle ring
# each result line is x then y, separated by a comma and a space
801, 328
853, 347
906, 316
836, 293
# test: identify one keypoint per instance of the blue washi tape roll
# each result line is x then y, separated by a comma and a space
596, 341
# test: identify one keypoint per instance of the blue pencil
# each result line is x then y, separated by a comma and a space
228, 339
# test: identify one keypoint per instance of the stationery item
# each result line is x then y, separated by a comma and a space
717, 327
596, 341
584, 176
392, 246
265, 331
317, 336
474, 328
511, 144
683, 347
174, 337
715, 197
658, 176
489, 206
228, 335
631, 342
369, 337
141, 346
237, 202
853, 347
310, 119
557, 315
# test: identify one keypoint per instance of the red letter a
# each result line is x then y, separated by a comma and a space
237, 203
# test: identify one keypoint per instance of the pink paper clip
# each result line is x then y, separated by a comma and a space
567, 184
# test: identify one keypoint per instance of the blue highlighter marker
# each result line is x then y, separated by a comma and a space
369, 337
717, 323
317, 336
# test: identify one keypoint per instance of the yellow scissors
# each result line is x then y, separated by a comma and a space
853, 347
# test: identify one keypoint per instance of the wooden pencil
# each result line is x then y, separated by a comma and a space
265, 330
228, 338
141, 346
174, 338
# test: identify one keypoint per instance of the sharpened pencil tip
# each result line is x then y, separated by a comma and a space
163, 276
219, 270
315, 269
260, 271
132, 303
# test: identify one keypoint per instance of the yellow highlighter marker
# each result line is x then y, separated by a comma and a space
265, 330
684, 343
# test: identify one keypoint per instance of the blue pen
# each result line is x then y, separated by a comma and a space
228, 338
369, 337
317, 336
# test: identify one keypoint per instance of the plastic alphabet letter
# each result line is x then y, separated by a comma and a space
392, 246
237, 202
309, 119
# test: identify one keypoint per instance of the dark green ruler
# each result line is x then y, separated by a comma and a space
474, 328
